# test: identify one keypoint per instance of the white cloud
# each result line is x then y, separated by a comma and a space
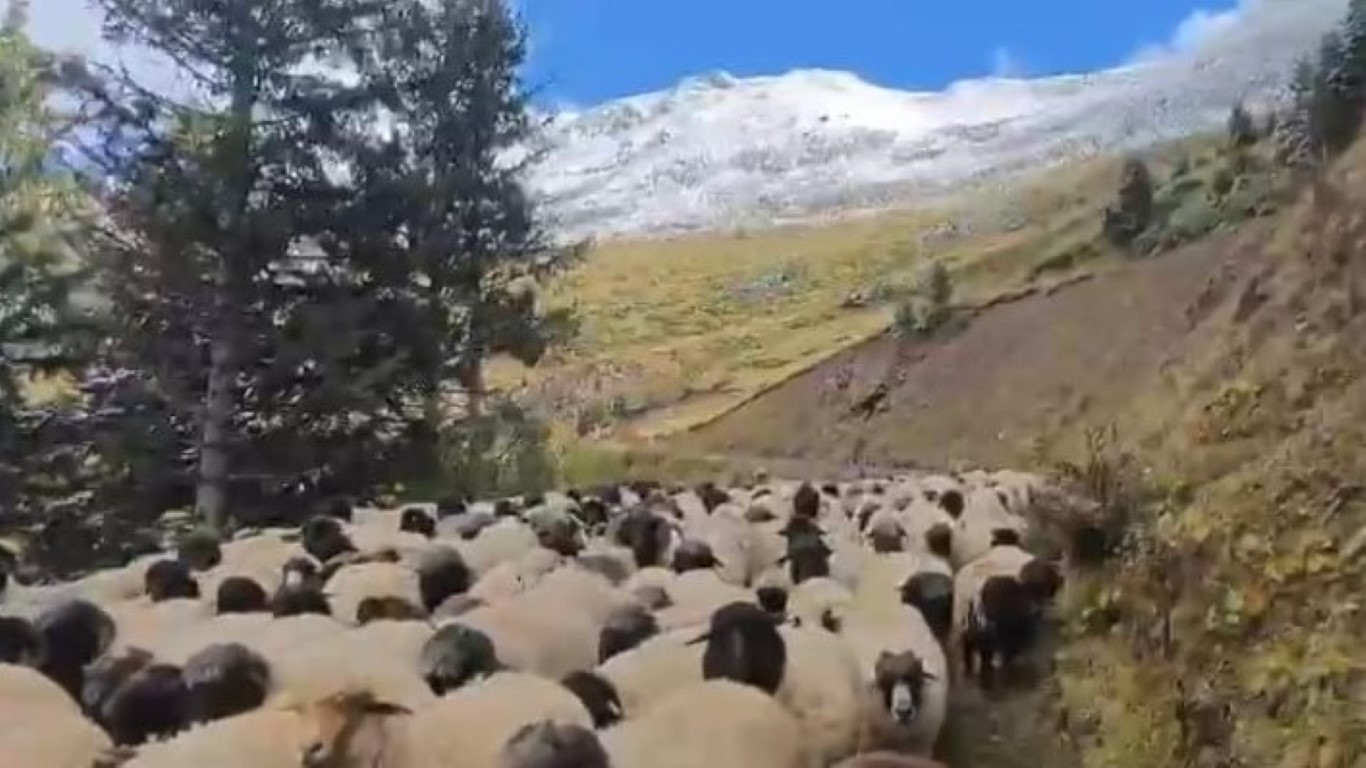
1005, 64
1206, 31
73, 27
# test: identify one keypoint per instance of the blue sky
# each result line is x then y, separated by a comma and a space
587, 51
584, 52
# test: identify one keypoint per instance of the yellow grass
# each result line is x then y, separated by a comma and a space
682, 330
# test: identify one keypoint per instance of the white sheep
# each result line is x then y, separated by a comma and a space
350, 585
650, 672
715, 724
266, 738
823, 687
901, 661
695, 595
42, 726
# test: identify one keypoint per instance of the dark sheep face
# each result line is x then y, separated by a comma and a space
169, 580
598, 695
807, 557
199, 551
625, 629
324, 539
239, 594
105, 676
296, 600
932, 595
388, 608
299, 570
548, 744
442, 574
831, 490
591, 512
1041, 580
773, 600
901, 680
1007, 614
416, 520
885, 541
455, 656
20, 643
561, 536
806, 503
939, 541
152, 703
1005, 537
74, 634
693, 555
450, 507
646, 535
952, 503
744, 646
225, 680
504, 508
865, 516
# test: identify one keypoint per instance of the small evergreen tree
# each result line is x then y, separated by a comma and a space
1242, 130
1132, 212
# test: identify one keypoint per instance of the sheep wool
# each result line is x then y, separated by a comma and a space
967, 583
353, 583
896, 629
650, 672
823, 687
714, 724
266, 738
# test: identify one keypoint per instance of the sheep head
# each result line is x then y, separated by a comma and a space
345, 730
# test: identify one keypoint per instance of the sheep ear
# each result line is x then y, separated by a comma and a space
700, 640
112, 757
384, 709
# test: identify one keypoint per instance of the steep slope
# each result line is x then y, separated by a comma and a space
719, 152
1228, 633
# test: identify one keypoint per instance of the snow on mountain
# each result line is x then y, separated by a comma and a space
717, 152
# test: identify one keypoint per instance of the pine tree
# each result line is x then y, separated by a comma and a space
44, 328
209, 201
438, 192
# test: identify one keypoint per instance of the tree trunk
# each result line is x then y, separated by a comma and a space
211, 493
211, 497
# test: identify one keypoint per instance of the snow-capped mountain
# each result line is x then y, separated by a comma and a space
718, 152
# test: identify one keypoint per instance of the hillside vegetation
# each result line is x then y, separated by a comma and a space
676, 332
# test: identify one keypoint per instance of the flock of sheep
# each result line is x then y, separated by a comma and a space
774, 626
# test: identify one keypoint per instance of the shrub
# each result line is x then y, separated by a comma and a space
1242, 131
1132, 211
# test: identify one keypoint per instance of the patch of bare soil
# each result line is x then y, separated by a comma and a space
992, 393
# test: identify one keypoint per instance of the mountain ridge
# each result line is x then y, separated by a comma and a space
720, 152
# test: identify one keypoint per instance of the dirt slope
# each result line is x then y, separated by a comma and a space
991, 393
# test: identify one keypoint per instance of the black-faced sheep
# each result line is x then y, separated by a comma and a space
441, 574
239, 594
626, 628
808, 556
337, 508
223, 680
1004, 618
743, 645
547, 744
199, 550
773, 600
598, 695
74, 634
106, 675
931, 593
455, 656
806, 503
296, 599
169, 580
152, 703
416, 520
324, 538
20, 643
692, 555
647, 535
